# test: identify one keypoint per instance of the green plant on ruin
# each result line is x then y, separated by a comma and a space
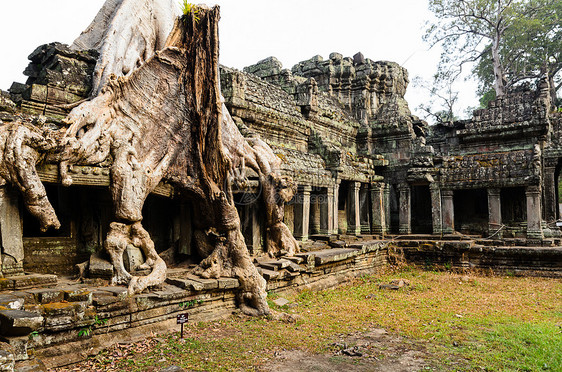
187, 304
87, 331
190, 8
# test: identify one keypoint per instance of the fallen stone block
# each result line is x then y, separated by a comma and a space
19, 322
100, 268
11, 302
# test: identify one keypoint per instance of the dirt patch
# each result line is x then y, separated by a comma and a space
374, 350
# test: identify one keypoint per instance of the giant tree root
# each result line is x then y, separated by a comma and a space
20, 147
120, 235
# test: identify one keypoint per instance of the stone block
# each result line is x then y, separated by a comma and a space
60, 309
11, 302
31, 365
78, 294
132, 258
33, 281
228, 283
281, 301
45, 296
7, 357
19, 322
99, 267
268, 274
19, 345
120, 292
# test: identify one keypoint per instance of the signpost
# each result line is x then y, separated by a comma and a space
182, 319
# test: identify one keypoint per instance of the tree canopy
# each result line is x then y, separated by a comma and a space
506, 41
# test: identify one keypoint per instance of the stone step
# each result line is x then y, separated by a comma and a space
268, 274
19, 322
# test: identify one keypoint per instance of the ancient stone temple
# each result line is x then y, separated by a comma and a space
143, 180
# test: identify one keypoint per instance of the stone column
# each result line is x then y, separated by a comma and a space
436, 209
302, 214
448, 211
326, 202
11, 232
353, 216
550, 200
183, 229
378, 223
405, 214
534, 229
364, 213
315, 218
494, 212
335, 199
256, 240
386, 203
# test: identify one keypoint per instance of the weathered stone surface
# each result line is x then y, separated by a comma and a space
281, 301
132, 257
173, 369
77, 294
99, 267
44, 296
31, 365
11, 302
228, 283
19, 322
7, 358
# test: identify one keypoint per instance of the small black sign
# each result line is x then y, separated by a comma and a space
182, 318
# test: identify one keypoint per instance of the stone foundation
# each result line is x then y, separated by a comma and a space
68, 323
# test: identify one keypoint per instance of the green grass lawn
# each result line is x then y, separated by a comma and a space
486, 322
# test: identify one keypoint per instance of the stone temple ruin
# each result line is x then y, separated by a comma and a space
159, 178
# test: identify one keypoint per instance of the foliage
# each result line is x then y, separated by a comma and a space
488, 32
87, 331
187, 304
189, 8
531, 49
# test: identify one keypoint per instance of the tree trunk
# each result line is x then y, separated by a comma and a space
499, 75
124, 47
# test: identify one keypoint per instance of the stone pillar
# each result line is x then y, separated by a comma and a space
302, 214
183, 229
494, 212
534, 229
335, 199
11, 232
378, 222
353, 216
405, 214
327, 212
364, 213
436, 209
448, 211
386, 203
315, 218
550, 200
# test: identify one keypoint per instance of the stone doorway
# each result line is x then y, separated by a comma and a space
471, 211
422, 222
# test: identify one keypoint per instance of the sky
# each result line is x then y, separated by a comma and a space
251, 30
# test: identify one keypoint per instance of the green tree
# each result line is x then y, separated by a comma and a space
473, 31
532, 49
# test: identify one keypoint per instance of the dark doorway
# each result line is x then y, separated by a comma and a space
393, 201
421, 210
471, 211
514, 205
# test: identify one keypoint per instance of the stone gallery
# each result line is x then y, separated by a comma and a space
141, 180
